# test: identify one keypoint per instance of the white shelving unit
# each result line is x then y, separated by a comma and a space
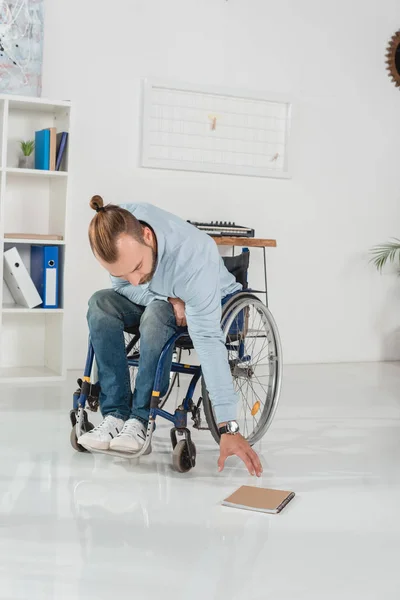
31, 201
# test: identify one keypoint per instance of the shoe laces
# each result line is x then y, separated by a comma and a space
132, 428
103, 425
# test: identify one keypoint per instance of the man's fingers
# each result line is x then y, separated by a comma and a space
247, 461
180, 321
221, 462
239, 447
255, 462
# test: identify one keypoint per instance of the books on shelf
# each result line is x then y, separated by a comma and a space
42, 149
50, 149
61, 155
53, 148
32, 236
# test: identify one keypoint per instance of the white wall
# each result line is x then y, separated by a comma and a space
344, 196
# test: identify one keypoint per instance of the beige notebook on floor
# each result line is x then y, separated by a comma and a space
259, 499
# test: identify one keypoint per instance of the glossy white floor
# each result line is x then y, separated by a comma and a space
79, 526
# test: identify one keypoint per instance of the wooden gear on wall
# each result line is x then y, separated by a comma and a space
393, 58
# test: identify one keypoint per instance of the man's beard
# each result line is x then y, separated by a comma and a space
149, 277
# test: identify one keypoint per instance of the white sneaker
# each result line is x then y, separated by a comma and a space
100, 437
131, 438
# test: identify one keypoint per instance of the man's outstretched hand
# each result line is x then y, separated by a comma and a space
236, 445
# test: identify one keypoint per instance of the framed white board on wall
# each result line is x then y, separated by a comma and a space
199, 128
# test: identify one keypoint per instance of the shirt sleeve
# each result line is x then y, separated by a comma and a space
138, 294
202, 296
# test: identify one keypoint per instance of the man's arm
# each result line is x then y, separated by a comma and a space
138, 294
202, 297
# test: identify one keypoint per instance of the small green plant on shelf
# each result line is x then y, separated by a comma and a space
27, 147
26, 160
389, 251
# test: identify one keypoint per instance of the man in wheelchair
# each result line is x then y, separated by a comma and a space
166, 274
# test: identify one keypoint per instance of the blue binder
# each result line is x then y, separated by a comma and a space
45, 273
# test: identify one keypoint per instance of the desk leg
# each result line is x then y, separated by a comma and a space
265, 277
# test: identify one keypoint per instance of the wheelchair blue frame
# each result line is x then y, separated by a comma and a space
179, 418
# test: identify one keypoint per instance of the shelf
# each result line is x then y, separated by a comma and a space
33, 202
34, 241
28, 375
34, 173
14, 308
34, 104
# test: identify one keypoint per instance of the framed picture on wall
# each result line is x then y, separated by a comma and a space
21, 47
215, 130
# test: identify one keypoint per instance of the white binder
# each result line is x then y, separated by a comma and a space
17, 278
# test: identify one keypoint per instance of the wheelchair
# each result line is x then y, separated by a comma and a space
255, 358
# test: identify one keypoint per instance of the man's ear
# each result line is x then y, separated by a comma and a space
147, 235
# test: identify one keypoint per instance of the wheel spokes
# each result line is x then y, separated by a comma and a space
252, 356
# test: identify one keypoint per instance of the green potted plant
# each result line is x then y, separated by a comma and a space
26, 159
390, 251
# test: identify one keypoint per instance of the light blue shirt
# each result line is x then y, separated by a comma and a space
189, 267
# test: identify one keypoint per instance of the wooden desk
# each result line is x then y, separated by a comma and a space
244, 242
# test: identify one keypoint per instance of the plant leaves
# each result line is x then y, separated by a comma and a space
385, 252
27, 147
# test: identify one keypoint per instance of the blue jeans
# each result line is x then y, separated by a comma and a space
108, 316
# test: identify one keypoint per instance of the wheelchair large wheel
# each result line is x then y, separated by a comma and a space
255, 359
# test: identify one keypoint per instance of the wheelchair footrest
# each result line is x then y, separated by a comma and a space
117, 453
73, 417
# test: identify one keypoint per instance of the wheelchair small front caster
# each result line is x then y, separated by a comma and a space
184, 459
74, 440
